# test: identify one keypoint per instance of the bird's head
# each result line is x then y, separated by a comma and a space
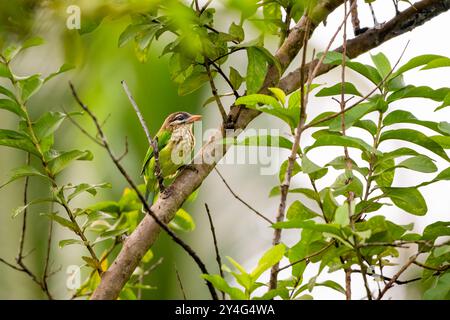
180, 119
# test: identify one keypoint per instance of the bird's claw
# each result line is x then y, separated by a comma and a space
167, 193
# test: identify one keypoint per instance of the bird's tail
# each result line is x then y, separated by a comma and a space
149, 194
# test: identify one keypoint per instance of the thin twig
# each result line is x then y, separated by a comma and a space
385, 278
144, 202
241, 200
222, 111
180, 283
291, 160
76, 124
308, 257
216, 247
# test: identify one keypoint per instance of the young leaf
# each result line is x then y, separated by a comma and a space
68, 242
86, 187
30, 86
7, 93
401, 116
60, 220
382, 64
270, 258
57, 164
415, 137
349, 88
64, 68
17, 140
219, 283
299, 211
12, 106
256, 69
193, 82
419, 92
279, 94
22, 172
342, 216
419, 163
182, 221
344, 141
441, 291
235, 78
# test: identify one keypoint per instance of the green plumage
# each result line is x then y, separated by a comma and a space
175, 145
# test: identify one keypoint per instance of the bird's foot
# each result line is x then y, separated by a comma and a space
167, 193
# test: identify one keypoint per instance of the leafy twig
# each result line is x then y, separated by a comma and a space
216, 247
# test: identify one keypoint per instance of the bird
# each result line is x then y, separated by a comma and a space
175, 145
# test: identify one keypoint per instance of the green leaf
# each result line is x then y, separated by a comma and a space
270, 258
130, 33
313, 170
86, 187
441, 291
57, 164
436, 230
7, 93
68, 242
329, 204
60, 220
352, 116
106, 206
419, 163
332, 285
270, 105
401, 116
235, 78
12, 106
29, 86
17, 140
342, 216
22, 172
193, 82
48, 123
298, 211
256, 69
311, 194
22, 209
382, 64
237, 32
335, 58
262, 141
344, 141
283, 168
408, 199
279, 94
415, 137
437, 63
419, 92
182, 221
416, 62
309, 224
4, 71
219, 283
349, 88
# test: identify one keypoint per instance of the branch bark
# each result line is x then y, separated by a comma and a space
148, 230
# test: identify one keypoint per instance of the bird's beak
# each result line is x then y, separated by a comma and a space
194, 118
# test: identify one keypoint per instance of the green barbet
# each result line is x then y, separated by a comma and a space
175, 144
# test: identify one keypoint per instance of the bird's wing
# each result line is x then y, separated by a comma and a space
163, 139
